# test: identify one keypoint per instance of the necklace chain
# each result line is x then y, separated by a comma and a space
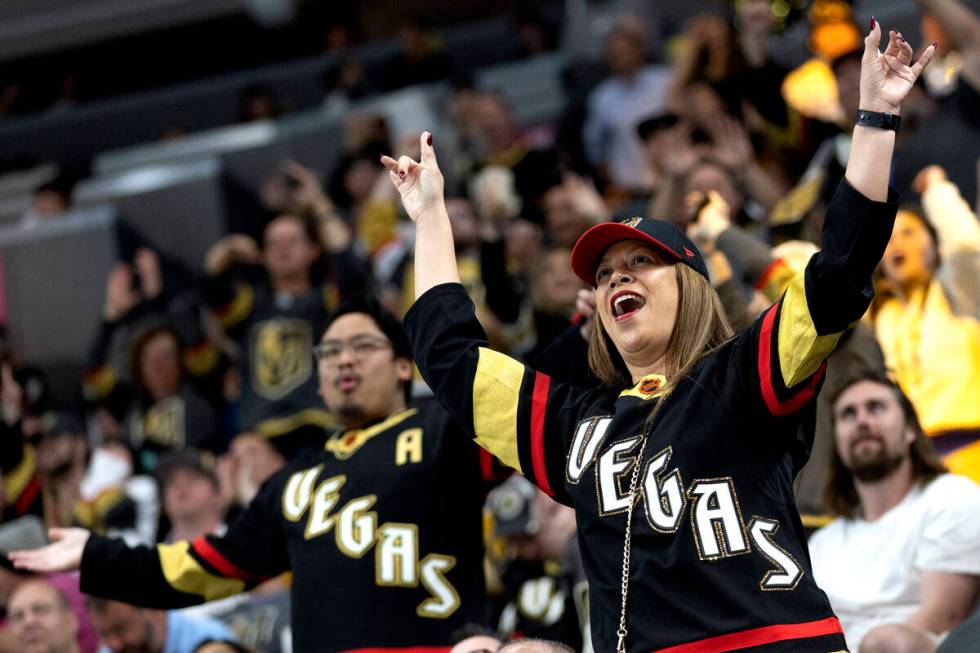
625, 582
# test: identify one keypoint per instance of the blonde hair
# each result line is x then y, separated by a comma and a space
697, 331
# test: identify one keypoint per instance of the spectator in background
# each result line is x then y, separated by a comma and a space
901, 563
473, 638
124, 628
544, 587
951, 137
192, 500
420, 57
250, 461
161, 408
259, 101
928, 317
276, 323
221, 646
634, 90
501, 144
51, 200
41, 619
534, 646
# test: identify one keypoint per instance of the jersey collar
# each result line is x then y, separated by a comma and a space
649, 386
344, 445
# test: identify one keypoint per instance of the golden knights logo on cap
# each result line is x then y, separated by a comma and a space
631, 222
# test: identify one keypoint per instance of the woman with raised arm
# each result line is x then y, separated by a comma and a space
680, 469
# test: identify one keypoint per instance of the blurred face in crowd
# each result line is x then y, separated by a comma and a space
253, 452
494, 122
287, 251
56, 452
463, 221
848, 74
556, 525
564, 223
870, 430
910, 256
624, 51
160, 366
361, 380
190, 495
702, 105
707, 176
360, 178
555, 285
477, 644
636, 298
41, 620
49, 203
127, 629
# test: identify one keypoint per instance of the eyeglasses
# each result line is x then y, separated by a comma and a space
329, 351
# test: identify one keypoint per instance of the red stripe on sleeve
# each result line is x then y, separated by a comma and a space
759, 636
23, 503
539, 405
775, 406
222, 564
486, 465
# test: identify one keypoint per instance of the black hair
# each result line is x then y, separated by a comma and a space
390, 325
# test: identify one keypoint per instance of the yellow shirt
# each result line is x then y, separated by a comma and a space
935, 357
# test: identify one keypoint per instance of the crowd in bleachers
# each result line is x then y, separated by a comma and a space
197, 382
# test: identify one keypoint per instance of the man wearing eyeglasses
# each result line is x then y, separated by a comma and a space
382, 528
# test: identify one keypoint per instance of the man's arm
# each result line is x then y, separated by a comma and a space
946, 600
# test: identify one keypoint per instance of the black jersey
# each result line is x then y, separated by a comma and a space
382, 530
719, 557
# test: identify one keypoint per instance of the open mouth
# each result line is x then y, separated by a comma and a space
625, 304
348, 383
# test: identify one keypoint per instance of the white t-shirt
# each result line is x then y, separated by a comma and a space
872, 571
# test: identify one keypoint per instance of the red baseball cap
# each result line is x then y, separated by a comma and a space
663, 236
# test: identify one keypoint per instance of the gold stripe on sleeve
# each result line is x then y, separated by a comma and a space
496, 394
18, 478
184, 574
801, 350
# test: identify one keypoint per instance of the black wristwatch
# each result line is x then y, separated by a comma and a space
878, 120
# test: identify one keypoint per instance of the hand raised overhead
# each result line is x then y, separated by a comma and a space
887, 77
419, 183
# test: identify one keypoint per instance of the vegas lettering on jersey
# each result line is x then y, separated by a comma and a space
718, 527
356, 531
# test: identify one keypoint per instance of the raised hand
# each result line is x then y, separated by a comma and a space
420, 183
927, 177
147, 265
230, 249
731, 146
886, 78
711, 216
309, 193
63, 554
120, 296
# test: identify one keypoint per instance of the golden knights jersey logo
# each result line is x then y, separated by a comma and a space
282, 356
162, 425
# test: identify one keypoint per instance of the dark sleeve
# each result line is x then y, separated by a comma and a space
566, 358
186, 573
99, 381
522, 416
783, 354
18, 464
350, 271
231, 299
504, 298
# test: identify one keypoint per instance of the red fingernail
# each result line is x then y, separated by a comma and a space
429, 139
934, 44
872, 22
401, 174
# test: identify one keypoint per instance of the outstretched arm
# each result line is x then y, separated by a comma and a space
886, 78
420, 185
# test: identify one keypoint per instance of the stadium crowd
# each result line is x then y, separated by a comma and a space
208, 394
